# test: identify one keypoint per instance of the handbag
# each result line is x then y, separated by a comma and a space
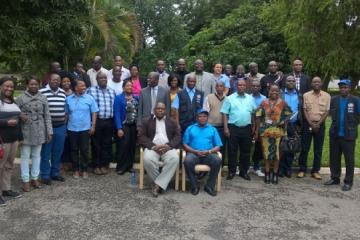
290, 144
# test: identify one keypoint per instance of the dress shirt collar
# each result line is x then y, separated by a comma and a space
188, 90
290, 92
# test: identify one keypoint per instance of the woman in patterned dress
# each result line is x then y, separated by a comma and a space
271, 118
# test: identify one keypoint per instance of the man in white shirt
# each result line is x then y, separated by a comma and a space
160, 136
118, 62
97, 67
163, 75
116, 82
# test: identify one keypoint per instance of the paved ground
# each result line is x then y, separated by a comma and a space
105, 207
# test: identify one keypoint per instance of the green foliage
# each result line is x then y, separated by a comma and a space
240, 37
33, 33
163, 30
325, 34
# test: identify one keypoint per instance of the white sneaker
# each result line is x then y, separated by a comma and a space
259, 173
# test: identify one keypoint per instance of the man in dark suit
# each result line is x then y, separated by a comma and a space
151, 95
303, 83
160, 136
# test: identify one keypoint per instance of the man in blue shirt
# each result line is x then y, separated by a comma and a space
292, 97
345, 115
257, 155
202, 142
238, 111
81, 110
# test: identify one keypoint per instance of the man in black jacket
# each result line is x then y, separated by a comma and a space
345, 114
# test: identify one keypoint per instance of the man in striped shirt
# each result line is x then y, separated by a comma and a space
102, 139
51, 152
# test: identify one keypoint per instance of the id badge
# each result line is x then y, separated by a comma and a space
268, 121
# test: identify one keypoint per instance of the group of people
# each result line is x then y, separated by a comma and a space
198, 112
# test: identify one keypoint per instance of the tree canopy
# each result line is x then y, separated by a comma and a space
324, 34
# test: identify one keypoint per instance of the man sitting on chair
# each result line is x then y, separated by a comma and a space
160, 136
202, 142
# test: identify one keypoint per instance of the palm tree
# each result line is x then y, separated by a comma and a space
112, 30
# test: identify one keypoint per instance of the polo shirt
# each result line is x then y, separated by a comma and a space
191, 92
316, 105
79, 109
292, 100
202, 138
56, 102
239, 109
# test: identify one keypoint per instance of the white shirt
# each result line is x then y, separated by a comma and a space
125, 73
160, 137
116, 86
92, 75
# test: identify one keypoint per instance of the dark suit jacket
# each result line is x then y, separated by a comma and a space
145, 102
305, 82
147, 130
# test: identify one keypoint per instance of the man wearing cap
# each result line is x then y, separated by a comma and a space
202, 142
345, 115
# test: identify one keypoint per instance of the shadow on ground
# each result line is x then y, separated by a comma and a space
105, 207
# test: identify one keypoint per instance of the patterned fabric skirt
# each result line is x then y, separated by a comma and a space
270, 147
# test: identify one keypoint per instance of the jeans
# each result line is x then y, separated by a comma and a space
79, 142
306, 138
26, 151
240, 137
51, 154
212, 160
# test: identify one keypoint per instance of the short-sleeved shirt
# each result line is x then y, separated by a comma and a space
225, 79
258, 99
104, 99
292, 100
202, 138
239, 109
79, 109
191, 92
316, 105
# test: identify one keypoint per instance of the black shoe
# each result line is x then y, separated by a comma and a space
281, 174
346, 187
2, 202
156, 190
245, 176
58, 178
11, 194
288, 174
210, 191
195, 191
46, 181
121, 172
230, 176
274, 178
332, 182
267, 178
